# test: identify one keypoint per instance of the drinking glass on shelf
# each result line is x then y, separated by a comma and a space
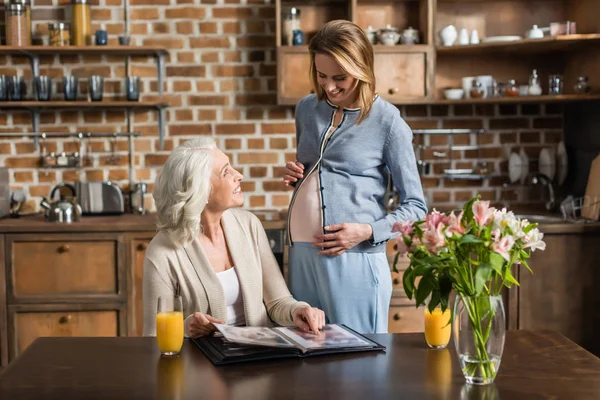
43, 87
169, 325
132, 88
96, 87
437, 328
70, 86
555, 84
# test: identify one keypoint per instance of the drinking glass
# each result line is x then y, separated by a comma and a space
132, 88
3, 87
96, 87
43, 87
70, 85
169, 325
437, 328
555, 84
16, 88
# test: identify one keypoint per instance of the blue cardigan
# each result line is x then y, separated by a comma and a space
354, 165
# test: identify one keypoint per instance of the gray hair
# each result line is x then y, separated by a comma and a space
182, 189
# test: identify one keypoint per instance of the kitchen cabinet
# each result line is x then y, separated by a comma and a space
562, 293
137, 251
403, 315
418, 74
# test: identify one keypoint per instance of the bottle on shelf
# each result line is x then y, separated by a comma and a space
535, 86
81, 26
18, 32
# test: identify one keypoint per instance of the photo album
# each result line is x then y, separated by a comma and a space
233, 344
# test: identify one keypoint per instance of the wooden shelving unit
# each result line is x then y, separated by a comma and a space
82, 104
35, 52
418, 74
76, 50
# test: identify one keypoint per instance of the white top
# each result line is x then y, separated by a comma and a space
233, 297
306, 219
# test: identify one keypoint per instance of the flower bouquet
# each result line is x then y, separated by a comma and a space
471, 252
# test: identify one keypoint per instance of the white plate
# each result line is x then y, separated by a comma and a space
525, 167
547, 164
493, 39
515, 166
563, 163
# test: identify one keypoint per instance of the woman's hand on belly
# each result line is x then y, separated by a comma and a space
342, 237
292, 172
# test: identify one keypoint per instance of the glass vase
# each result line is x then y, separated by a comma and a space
479, 331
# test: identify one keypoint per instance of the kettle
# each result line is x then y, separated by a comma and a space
62, 210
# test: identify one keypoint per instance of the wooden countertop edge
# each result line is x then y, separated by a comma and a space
116, 223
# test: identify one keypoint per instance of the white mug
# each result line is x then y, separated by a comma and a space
467, 84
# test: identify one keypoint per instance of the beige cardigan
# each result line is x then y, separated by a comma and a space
264, 291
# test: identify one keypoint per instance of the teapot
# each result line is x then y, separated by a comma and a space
388, 36
64, 210
410, 36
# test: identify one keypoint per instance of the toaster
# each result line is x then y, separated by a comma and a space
99, 198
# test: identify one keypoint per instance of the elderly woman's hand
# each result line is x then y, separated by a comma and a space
199, 324
309, 319
292, 172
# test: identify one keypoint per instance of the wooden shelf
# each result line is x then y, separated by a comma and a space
529, 46
76, 50
564, 98
378, 48
81, 104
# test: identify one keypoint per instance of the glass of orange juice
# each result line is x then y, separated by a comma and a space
437, 328
169, 325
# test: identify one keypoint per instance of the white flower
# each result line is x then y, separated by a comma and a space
533, 240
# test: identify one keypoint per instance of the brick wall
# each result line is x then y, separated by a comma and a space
221, 80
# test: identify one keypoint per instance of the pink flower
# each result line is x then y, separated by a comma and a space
482, 212
434, 239
405, 228
435, 219
503, 246
401, 246
454, 225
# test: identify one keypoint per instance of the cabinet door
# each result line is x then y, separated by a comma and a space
136, 307
293, 75
401, 75
66, 268
562, 295
406, 318
28, 326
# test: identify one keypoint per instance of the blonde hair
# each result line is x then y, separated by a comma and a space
350, 47
182, 189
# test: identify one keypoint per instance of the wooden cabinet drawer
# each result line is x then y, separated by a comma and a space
67, 268
293, 80
30, 325
400, 75
406, 318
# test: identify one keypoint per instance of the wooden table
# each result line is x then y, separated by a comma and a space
536, 365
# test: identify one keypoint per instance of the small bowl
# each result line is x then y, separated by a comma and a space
454, 94
124, 40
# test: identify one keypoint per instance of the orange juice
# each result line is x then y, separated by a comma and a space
437, 328
169, 331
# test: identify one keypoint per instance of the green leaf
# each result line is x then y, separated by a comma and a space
524, 263
508, 277
434, 300
408, 282
445, 288
468, 209
396, 262
482, 275
469, 239
426, 285
497, 262
529, 227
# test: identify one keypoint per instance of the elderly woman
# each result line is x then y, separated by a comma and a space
218, 254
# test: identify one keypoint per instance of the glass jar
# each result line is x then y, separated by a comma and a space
59, 33
477, 91
17, 31
27, 5
82, 29
291, 23
582, 86
511, 89
535, 85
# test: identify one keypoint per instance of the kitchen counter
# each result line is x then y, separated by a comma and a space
119, 223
